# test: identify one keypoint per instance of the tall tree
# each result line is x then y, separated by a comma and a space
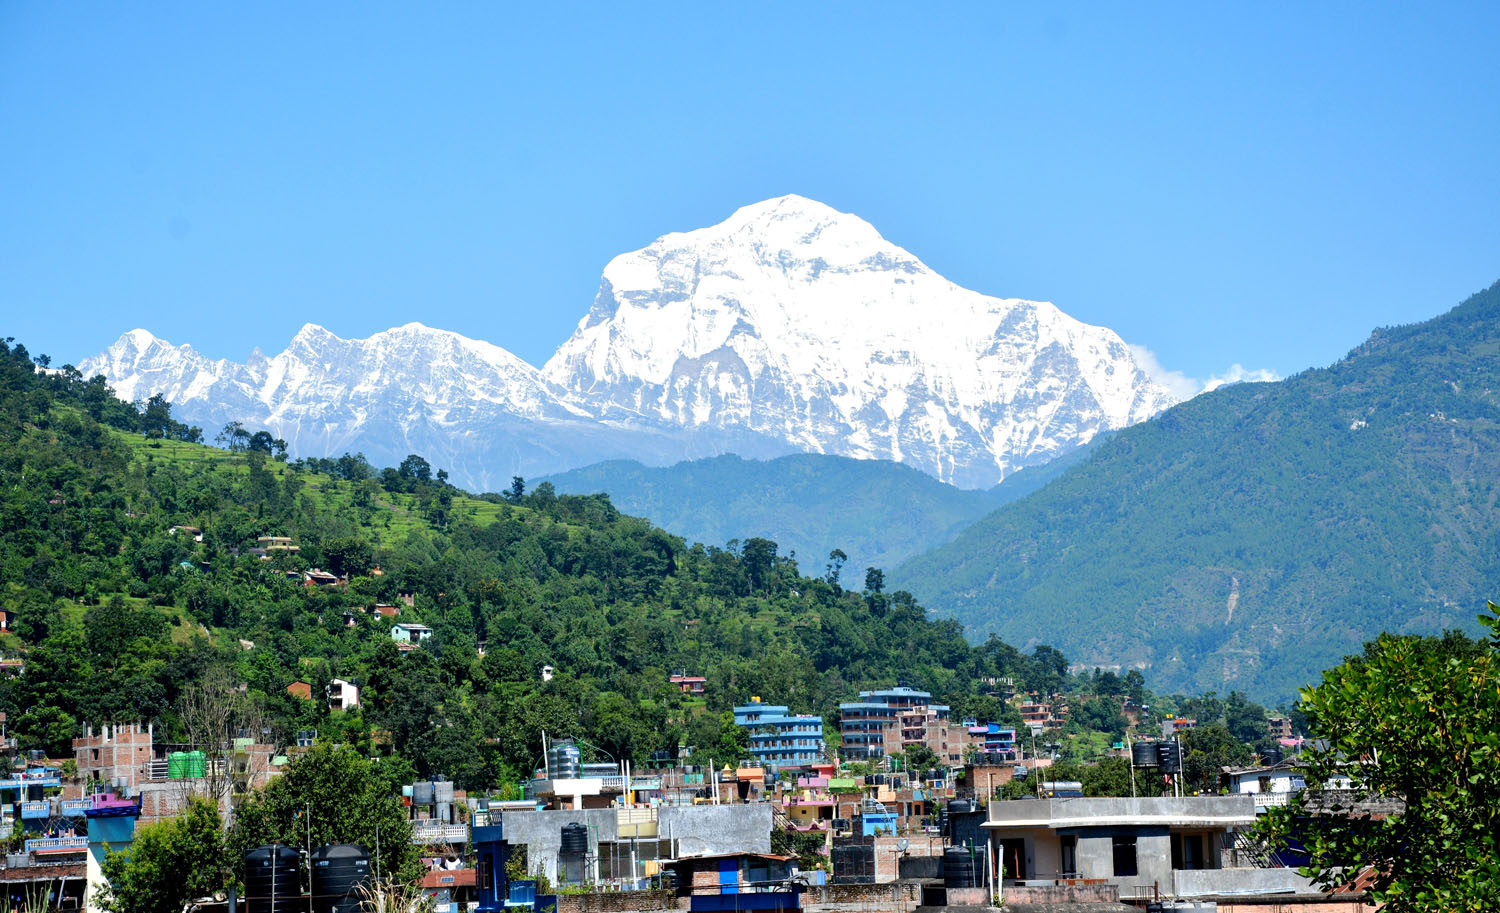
1416, 720
332, 795
170, 863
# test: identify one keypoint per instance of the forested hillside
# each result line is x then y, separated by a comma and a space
115, 613
878, 513
1254, 535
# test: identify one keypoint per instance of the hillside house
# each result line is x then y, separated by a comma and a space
342, 695
689, 684
410, 633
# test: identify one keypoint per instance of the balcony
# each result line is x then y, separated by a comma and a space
49, 849
439, 832
1271, 800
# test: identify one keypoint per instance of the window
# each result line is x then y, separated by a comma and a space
1124, 853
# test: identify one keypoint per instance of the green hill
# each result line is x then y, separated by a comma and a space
1252, 536
877, 512
118, 612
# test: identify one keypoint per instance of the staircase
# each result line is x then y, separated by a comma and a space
1250, 852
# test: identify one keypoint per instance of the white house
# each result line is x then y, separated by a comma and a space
342, 695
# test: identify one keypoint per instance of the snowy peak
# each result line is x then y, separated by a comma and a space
801, 323
789, 326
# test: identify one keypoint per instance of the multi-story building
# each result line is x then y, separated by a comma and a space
992, 739
780, 738
1280, 727
898, 719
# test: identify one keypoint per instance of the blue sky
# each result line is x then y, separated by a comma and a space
1255, 185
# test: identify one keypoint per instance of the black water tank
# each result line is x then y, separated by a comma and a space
1169, 757
1143, 754
961, 867
961, 807
575, 840
273, 880
1270, 756
338, 872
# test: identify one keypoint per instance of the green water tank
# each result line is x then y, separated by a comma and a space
177, 765
197, 765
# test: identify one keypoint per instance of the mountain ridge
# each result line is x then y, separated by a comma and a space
789, 327
1253, 535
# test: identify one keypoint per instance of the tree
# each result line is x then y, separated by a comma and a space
414, 469
332, 795
170, 863
213, 712
516, 491
263, 442
874, 579
758, 556
920, 757
234, 437
836, 559
1415, 720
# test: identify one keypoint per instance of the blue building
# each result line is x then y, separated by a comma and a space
894, 719
780, 738
993, 739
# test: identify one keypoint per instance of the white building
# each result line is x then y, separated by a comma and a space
342, 695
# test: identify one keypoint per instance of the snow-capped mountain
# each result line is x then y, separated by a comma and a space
802, 324
788, 327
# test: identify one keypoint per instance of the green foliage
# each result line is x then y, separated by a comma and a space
1415, 720
807, 846
118, 615
332, 795
170, 862
1253, 535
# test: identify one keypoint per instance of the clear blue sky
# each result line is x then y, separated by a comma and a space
1258, 185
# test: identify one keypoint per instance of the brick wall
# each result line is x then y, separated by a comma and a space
616, 902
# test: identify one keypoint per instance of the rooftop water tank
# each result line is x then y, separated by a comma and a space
961, 867
338, 872
1143, 754
273, 880
575, 840
563, 761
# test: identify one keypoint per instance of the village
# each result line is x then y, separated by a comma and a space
796, 823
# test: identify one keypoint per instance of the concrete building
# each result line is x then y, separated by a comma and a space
780, 738
342, 695
627, 845
895, 719
1178, 847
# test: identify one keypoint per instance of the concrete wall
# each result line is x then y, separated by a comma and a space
702, 830
1063, 893
897, 897
1196, 883
695, 830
